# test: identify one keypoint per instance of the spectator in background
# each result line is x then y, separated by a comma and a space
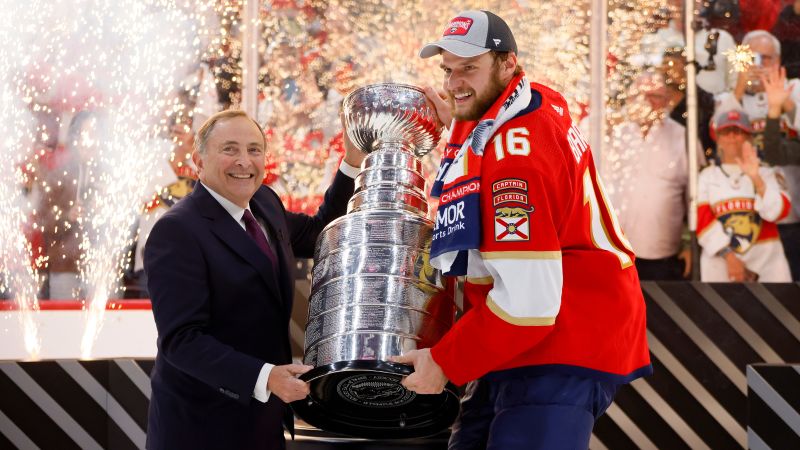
647, 172
739, 202
784, 151
787, 30
778, 151
748, 94
673, 66
751, 96
714, 74
67, 189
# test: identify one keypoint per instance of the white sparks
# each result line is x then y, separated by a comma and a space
740, 58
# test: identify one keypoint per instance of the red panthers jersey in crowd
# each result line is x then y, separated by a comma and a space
553, 285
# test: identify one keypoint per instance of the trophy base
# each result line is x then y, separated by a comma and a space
364, 398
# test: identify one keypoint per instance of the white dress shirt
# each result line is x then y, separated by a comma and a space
647, 179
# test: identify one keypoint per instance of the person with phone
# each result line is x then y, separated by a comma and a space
763, 100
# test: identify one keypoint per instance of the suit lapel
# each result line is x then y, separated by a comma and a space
234, 236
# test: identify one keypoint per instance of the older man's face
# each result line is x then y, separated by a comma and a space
234, 160
769, 54
769, 58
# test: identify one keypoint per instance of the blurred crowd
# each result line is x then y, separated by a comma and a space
748, 152
747, 66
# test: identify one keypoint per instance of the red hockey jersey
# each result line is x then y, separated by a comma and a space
553, 286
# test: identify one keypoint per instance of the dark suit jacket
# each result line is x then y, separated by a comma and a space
222, 310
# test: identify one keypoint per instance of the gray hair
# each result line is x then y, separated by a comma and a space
755, 34
205, 130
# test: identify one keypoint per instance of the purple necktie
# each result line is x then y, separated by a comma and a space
255, 232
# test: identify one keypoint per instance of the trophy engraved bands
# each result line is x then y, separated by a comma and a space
373, 292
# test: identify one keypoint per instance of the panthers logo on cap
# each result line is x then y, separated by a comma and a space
458, 27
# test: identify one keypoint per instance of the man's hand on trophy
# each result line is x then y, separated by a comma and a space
283, 382
438, 101
428, 377
352, 155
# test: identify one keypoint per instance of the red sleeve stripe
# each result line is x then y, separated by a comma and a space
787, 206
705, 218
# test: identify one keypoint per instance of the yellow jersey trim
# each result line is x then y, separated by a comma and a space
520, 321
480, 280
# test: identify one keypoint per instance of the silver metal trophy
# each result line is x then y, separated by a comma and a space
373, 292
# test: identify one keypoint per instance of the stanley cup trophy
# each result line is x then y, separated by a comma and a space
373, 292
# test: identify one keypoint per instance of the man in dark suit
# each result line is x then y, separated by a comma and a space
222, 296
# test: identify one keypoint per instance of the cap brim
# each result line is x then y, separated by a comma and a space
458, 48
734, 125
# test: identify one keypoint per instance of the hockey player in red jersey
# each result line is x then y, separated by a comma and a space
556, 318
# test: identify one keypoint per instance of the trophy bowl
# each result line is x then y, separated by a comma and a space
391, 114
374, 293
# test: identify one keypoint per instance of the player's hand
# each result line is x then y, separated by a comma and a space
438, 101
737, 272
352, 155
428, 377
284, 383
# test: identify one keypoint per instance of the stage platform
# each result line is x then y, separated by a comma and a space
702, 338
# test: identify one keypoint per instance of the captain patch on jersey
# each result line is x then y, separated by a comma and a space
511, 210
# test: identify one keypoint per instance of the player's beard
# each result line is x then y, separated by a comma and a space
483, 100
